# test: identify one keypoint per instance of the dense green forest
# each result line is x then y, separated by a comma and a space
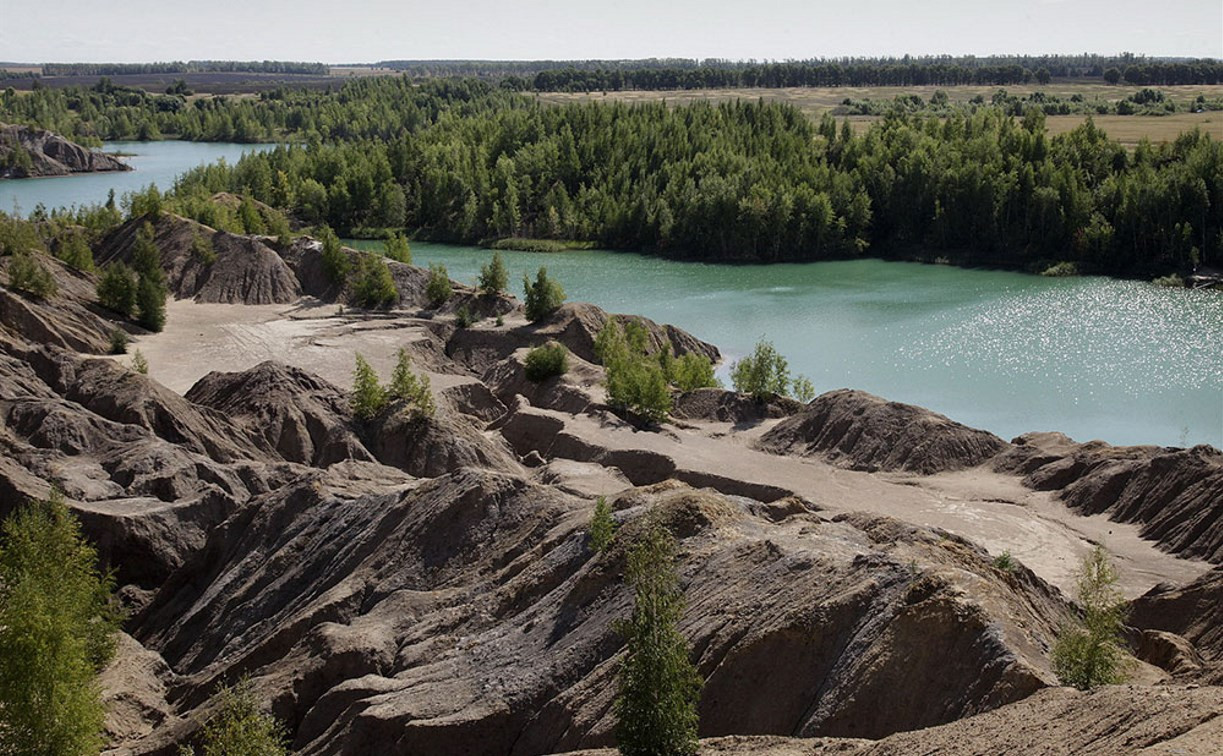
466, 161
181, 67
941, 70
760, 182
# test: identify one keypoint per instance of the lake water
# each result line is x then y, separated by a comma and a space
153, 163
1122, 361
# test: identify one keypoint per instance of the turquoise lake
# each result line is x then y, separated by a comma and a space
1122, 361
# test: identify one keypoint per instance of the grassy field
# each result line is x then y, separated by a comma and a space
817, 101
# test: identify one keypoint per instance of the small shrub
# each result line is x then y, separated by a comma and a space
634, 380
27, 273
803, 389
151, 303
396, 248
500, 321
1089, 654
139, 363
762, 373
374, 285
493, 276
464, 318
546, 361
411, 388
438, 290
202, 249
368, 397
336, 265
543, 297
1005, 562
240, 727
691, 371
118, 341
602, 526
75, 251
117, 289
659, 688
1061, 270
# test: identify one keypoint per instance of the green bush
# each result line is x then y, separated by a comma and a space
240, 727
27, 273
151, 284
396, 248
410, 388
543, 298
368, 397
202, 249
1089, 654
803, 389
1061, 270
374, 285
336, 265
118, 341
57, 631
602, 526
1005, 562
117, 289
139, 363
690, 372
438, 289
74, 250
493, 276
762, 373
464, 318
659, 688
546, 361
634, 380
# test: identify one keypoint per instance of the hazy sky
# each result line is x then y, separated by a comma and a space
336, 31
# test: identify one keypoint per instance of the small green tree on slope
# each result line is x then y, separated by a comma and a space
659, 688
240, 727
368, 397
57, 625
1090, 654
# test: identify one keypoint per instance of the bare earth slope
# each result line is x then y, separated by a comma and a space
49, 154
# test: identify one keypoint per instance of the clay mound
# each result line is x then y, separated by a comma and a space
50, 154
467, 615
292, 413
246, 270
1175, 495
575, 324
863, 432
575, 391
428, 447
1193, 611
719, 405
71, 319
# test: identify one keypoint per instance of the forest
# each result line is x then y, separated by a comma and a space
467, 161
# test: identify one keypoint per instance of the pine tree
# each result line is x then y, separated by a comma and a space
438, 289
543, 297
659, 688
368, 396
240, 727
493, 276
57, 625
117, 289
336, 265
411, 388
602, 526
396, 248
1090, 654
151, 286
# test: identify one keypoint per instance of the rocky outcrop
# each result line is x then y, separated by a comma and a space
719, 405
71, 319
1193, 611
468, 614
244, 271
863, 432
286, 410
1174, 495
26, 152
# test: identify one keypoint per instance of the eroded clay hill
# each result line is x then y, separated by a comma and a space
46, 154
426, 585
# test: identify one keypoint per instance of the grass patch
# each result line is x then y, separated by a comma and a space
523, 244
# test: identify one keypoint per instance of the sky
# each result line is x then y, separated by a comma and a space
352, 31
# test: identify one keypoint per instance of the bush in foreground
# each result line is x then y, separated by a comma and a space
546, 361
240, 727
656, 705
1090, 654
57, 625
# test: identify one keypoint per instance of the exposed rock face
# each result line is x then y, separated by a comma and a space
71, 319
49, 155
290, 412
246, 271
864, 432
723, 406
1193, 611
467, 614
1176, 495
